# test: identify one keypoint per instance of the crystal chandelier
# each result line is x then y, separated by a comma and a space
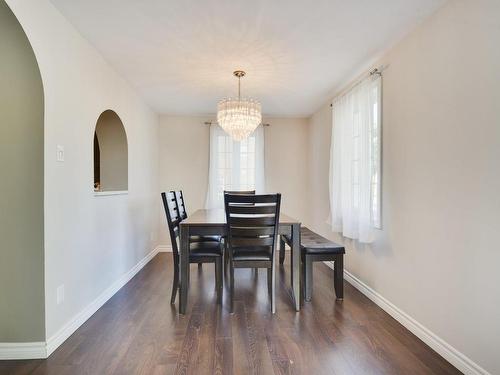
239, 117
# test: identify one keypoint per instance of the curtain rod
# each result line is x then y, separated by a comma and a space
371, 73
210, 123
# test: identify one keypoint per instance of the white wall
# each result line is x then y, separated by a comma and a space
184, 160
89, 241
437, 257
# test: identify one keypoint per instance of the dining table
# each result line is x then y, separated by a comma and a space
209, 222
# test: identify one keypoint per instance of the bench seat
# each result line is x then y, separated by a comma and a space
316, 248
313, 243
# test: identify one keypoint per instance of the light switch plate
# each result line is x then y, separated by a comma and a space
60, 153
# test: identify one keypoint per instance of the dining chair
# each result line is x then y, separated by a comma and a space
236, 192
199, 252
252, 226
181, 208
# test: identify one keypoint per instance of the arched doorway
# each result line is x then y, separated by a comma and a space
22, 317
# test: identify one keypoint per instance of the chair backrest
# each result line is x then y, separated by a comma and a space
173, 218
240, 192
181, 206
252, 221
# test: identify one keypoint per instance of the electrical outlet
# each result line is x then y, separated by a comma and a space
60, 294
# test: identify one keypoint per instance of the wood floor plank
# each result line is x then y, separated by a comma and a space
138, 331
223, 361
190, 349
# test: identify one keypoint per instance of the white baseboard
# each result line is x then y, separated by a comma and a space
38, 350
22, 350
445, 350
164, 248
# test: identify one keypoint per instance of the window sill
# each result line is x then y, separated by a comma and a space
111, 192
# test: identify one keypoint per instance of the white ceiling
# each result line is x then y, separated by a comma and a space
180, 54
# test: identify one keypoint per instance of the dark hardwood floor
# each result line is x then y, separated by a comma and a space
139, 332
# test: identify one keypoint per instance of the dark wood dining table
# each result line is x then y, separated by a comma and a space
213, 222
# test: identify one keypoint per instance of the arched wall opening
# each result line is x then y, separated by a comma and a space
22, 311
110, 154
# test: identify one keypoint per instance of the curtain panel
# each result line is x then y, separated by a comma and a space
355, 162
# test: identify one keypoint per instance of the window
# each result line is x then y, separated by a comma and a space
355, 161
234, 165
110, 154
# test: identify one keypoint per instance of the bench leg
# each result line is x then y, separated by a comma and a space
338, 270
282, 250
308, 278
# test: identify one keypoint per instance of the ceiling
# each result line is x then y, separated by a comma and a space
180, 54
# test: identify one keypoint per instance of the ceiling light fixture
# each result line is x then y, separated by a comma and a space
239, 117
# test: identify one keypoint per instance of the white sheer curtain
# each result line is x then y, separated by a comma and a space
234, 165
355, 161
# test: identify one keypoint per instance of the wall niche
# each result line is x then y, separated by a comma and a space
110, 154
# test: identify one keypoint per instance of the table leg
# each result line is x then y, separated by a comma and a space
184, 267
295, 271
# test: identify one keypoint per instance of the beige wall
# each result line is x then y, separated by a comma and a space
113, 151
184, 160
22, 316
286, 156
437, 256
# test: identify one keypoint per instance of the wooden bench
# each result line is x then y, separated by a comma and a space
316, 248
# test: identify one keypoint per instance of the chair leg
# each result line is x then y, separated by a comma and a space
218, 279
338, 280
231, 286
273, 288
303, 276
308, 278
175, 283
269, 280
226, 257
282, 250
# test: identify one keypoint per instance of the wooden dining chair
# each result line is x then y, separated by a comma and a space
252, 226
199, 252
235, 192
181, 208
